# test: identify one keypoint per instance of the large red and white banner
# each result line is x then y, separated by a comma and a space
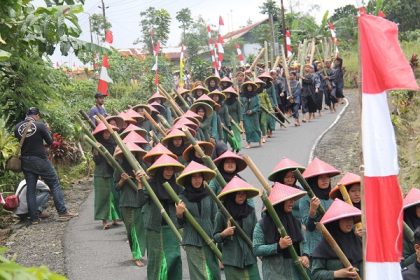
384, 67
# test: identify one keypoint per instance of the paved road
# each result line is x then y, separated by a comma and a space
91, 253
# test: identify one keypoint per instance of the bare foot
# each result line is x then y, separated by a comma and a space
138, 263
248, 146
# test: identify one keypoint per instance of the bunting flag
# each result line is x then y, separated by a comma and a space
181, 68
2, 201
240, 55
156, 49
104, 78
212, 50
383, 198
220, 42
334, 37
289, 43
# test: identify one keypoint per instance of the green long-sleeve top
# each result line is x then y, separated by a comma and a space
102, 168
271, 91
323, 269
204, 132
128, 196
252, 104
312, 236
236, 252
216, 127
152, 215
224, 115
409, 253
235, 111
265, 100
205, 218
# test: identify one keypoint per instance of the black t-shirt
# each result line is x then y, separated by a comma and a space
412, 272
35, 137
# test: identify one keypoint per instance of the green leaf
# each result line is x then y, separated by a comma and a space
379, 4
4, 56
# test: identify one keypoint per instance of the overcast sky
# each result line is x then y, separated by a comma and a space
124, 15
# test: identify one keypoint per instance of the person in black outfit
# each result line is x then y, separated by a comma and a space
35, 164
412, 272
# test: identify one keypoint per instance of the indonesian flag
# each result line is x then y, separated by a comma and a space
289, 43
384, 67
2, 202
334, 36
240, 55
104, 78
212, 50
220, 41
181, 68
156, 49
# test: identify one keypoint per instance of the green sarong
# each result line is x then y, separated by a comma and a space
247, 273
103, 199
163, 255
136, 233
263, 123
202, 263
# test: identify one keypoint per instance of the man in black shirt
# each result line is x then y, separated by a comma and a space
35, 164
412, 272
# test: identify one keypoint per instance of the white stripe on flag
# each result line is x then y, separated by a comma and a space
383, 270
379, 144
104, 75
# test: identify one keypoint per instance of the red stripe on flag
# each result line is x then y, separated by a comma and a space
382, 57
105, 62
383, 219
103, 87
109, 38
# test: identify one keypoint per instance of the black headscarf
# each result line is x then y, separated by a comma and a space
268, 84
320, 193
157, 181
176, 150
109, 144
231, 100
349, 243
249, 94
194, 194
238, 211
290, 223
411, 218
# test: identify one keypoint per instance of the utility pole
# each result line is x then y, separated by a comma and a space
283, 27
104, 16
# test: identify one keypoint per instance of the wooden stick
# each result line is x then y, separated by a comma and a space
266, 55
286, 71
254, 63
313, 45
308, 189
86, 117
276, 63
154, 123
346, 198
333, 244
274, 117
257, 173
172, 102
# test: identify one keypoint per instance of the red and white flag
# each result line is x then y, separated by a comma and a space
2, 201
212, 50
384, 67
289, 43
156, 49
220, 41
240, 55
334, 36
104, 78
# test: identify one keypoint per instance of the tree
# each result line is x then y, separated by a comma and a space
403, 12
343, 12
154, 24
185, 19
271, 9
99, 24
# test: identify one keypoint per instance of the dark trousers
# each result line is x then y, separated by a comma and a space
34, 167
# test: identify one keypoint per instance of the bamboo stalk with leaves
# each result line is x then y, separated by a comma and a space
308, 189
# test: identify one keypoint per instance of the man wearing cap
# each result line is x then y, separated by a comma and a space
98, 108
413, 270
35, 164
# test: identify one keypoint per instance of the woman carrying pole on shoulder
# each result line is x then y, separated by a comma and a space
277, 263
202, 263
238, 259
163, 250
251, 105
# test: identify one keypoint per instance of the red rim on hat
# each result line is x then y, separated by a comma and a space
280, 193
127, 117
135, 149
238, 185
101, 128
132, 127
207, 148
282, 167
133, 114
165, 161
265, 75
339, 210
347, 180
230, 90
412, 198
205, 91
318, 167
118, 120
142, 106
155, 96
193, 168
157, 151
174, 133
135, 138
240, 162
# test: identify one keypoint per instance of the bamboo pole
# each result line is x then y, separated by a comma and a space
283, 233
257, 173
308, 189
286, 71
408, 232
163, 122
346, 198
178, 111
313, 46
254, 63
190, 218
138, 169
333, 244
276, 63
274, 117
232, 121
265, 56
154, 123
228, 216
182, 99
86, 117
302, 60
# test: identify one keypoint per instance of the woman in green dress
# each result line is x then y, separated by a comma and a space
238, 259
277, 262
176, 141
318, 175
266, 104
205, 111
235, 110
202, 263
339, 221
163, 249
131, 204
103, 181
251, 105
272, 97
222, 115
